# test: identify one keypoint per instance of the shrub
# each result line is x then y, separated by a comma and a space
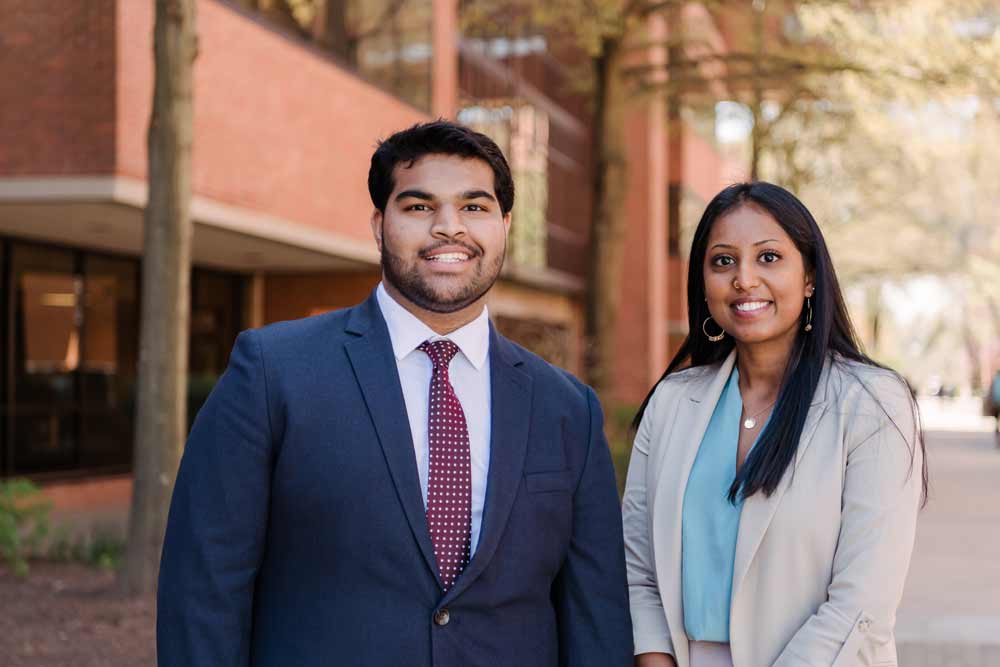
24, 522
105, 549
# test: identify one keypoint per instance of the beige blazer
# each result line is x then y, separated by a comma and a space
820, 565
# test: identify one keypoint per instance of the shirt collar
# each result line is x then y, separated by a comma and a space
407, 332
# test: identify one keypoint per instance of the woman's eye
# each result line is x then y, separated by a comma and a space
768, 257
722, 260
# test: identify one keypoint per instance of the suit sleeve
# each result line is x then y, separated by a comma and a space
881, 499
217, 522
649, 620
590, 592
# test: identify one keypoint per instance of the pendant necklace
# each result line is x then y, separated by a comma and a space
751, 422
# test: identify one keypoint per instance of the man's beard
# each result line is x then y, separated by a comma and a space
407, 279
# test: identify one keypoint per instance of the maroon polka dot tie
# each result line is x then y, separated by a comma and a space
449, 480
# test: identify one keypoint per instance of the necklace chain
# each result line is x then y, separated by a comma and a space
751, 422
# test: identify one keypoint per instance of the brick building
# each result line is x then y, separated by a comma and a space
285, 122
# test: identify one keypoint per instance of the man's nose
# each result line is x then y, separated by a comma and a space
448, 222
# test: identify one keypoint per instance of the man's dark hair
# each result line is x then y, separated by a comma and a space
439, 137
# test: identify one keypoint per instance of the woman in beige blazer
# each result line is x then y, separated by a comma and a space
825, 468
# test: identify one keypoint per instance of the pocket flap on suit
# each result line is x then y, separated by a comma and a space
541, 482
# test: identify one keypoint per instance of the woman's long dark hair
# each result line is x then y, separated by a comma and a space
832, 332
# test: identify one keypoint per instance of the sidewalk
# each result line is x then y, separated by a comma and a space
950, 615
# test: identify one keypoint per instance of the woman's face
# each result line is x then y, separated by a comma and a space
755, 278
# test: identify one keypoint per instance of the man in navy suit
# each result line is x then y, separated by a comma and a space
397, 484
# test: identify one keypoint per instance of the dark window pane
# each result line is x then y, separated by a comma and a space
46, 320
108, 365
72, 332
216, 319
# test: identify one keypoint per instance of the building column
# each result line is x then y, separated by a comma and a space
444, 77
642, 323
254, 300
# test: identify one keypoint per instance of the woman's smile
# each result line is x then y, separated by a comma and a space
750, 309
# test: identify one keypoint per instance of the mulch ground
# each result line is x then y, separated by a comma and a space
67, 615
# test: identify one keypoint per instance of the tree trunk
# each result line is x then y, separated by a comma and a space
332, 30
161, 418
607, 225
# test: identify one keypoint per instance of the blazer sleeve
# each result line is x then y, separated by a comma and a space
650, 631
216, 527
883, 484
590, 594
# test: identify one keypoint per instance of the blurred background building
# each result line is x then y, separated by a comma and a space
289, 104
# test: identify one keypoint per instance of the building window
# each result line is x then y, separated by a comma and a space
46, 324
70, 340
552, 342
522, 132
109, 358
387, 42
216, 320
519, 88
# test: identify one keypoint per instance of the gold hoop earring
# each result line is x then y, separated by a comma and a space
714, 339
809, 315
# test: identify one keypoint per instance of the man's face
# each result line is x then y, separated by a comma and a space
442, 236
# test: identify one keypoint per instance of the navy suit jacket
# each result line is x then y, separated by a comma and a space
297, 534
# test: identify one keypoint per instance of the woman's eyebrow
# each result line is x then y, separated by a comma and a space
727, 245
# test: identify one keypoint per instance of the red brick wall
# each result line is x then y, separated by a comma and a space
57, 78
279, 129
704, 171
95, 494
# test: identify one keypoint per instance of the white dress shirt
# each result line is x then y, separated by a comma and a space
469, 372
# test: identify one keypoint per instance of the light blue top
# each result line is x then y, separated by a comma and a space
710, 523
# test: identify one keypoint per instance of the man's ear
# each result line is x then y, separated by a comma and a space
376, 223
506, 222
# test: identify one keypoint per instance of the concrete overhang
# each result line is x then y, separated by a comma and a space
106, 213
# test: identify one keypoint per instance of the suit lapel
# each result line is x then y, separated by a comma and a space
511, 396
684, 434
758, 509
375, 368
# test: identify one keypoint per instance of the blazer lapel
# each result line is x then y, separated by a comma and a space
377, 375
683, 433
758, 509
511, 395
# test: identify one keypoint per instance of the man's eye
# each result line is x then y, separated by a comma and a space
418, 207
474, 207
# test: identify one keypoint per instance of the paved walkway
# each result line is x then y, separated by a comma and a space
950, 615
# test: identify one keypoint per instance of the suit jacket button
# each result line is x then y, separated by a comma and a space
441, 617
864, 625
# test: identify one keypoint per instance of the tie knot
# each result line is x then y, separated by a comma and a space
441, 352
